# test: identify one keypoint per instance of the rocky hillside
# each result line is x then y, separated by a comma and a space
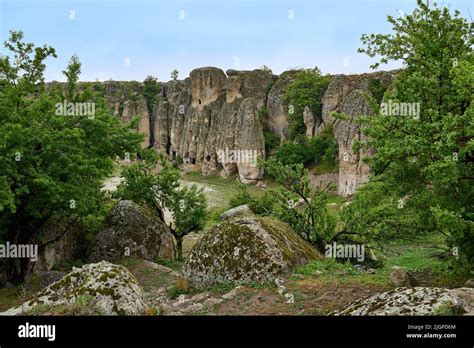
211, 111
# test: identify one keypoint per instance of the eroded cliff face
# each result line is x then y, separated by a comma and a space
347, 94
211, 121
214, 122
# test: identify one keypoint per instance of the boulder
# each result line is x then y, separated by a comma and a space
247, 249
110, 290
59, 247
469, 283
400, 277
41, 279
413, 301
241, 210
129, 231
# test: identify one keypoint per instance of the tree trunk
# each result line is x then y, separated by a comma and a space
179, 247
18, 268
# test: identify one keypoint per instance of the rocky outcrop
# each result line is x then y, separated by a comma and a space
309, 121
347, 94
277, 117
237, 211
108, 289
245, 250
414, 301
59, 241
401, 277
129, 231
214, 122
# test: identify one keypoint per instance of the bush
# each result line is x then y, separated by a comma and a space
306, 89
271, 141
319, 149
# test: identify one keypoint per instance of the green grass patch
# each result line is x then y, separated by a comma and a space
175, 265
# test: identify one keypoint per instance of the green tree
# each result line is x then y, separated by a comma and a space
174, 74
319, 149
151, 89
427, 160
299, 205
161, 191
51, 165
72, 73
306, 89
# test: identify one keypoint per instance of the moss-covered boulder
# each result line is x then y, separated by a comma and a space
248, 249
413, 301
130, 231
102, 288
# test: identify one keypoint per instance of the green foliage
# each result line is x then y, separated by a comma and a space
449, 309
162, 190
319, 149
262, 205
428, 159
266, 69
377, 90
174, 74
262, 114
51, 165
135, 121
271, 142
328, 266
306, 89
290, 153
376, 215
311, 220
72, 73
151, 88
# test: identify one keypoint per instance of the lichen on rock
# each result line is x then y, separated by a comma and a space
129, 231
411, 301
112, 290
247, 249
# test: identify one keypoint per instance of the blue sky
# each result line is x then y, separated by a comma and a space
130, 39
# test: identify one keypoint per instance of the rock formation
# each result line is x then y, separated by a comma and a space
214, 122
129, 231
110, 290
246, 249
241, 210
347, 94
413, 301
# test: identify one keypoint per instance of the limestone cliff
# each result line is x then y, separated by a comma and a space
214, 122
346, 93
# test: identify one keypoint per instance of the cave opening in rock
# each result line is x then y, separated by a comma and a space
208, 158
199, 101
192, 160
